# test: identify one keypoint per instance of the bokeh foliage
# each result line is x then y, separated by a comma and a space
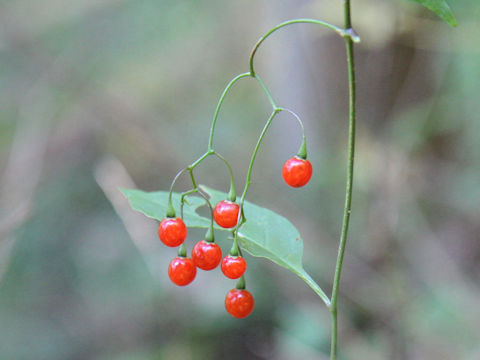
88, 85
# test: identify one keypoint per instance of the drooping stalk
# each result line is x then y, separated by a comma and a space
349, 183
337, 29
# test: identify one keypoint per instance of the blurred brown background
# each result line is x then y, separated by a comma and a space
95, 94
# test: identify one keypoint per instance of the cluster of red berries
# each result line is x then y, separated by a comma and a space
207, 255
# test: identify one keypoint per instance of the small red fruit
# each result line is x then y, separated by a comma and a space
233, 266
239, 303
297, 172
172, 231
226, 214
182, 271
206, 255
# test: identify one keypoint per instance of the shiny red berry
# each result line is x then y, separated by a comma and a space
182, 271
233, 266
297, 172
239, 303
172, 231
226, 214
206, 255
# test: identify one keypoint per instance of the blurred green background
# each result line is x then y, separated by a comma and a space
97, 94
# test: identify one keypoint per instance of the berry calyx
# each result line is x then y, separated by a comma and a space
182, 271
297, 172
233, 266
226, 214
206, 255
172, 231
239, 303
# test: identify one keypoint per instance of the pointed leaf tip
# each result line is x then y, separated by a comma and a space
441, 8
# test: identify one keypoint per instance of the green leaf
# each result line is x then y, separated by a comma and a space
441, 8
264, 234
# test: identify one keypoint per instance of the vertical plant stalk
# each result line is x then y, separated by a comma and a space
349, 184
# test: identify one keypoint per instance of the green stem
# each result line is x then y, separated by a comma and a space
349, 184
199, 160
235, 249
222, 98
255, 151
210, 233
347, 14
296, 118
170, 209
182, 251
265, 90
296, 21
302, 152
232, 194
241, 215
241, 283
242, 219
219, 105
254, 155
192, 178
182, 199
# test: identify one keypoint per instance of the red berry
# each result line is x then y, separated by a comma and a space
182, 271
226, 214
239, 303
172, 231
206, 255
233, 266
297, 172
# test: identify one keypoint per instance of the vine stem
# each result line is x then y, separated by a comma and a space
290, 22
252, 160
219, 105
349, 183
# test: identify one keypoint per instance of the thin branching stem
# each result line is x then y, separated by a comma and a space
337, 29
350, 38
